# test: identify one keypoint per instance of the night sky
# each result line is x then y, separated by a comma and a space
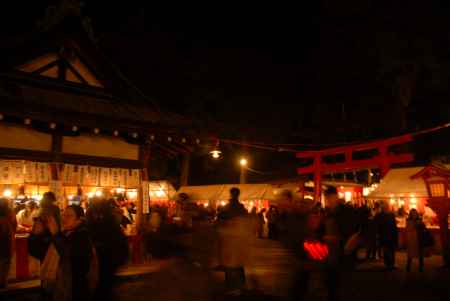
335, 71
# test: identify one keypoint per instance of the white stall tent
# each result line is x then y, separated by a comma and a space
222, 192
398, 183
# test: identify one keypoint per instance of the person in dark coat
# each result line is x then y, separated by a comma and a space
235, 232
110, 244
48, 208
74, 247
388, 235
8, 226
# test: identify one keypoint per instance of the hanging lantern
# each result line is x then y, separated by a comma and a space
53, 125
74, 128
27, 121
215, 153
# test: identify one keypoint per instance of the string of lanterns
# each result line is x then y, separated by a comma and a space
215, 152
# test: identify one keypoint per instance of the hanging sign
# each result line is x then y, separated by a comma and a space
43, 172
5, 172
115, 177
133, 178
56, 187
105, 177
17, 169
145, 197
30, 172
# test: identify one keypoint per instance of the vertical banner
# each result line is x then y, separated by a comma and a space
105, 177
145, 197
83, 171
67, 174
76, 175
133, 178
17, 169
5, 172
56, 186
30, 172
123, 177
43, 172
115, 177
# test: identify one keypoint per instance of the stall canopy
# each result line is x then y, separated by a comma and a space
161, 191
222, 192
398, 183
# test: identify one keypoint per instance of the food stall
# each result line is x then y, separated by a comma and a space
399, 190
70, 123
252, 195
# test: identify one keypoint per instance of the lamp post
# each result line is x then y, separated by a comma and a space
437, 179
243, 163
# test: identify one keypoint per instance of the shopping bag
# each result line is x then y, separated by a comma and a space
49, 268
316, 250
352, 243
93, 274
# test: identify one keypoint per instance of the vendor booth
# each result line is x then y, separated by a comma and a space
252, 195
70, 123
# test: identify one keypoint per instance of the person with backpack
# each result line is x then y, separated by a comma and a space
110, 243
388, 235
418, 238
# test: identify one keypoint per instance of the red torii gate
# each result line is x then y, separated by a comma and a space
383, 160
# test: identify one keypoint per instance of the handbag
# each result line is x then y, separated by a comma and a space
49, 268
352, 243
93, 274
427, 238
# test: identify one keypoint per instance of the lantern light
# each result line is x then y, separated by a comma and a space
223, 203
7, 193
243, 162
90, 194
183, 140
135, 135
98, 193
215, 153
96, 131
53, 125
74, 128
116, 133
27, 121
37, 197
169, 139
197, 141
152, 137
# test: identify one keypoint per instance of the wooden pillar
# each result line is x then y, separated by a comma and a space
384, 160
317, 179
55, 167
144, 157
445, 236
185, 169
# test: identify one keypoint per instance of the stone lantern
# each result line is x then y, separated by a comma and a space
437, 178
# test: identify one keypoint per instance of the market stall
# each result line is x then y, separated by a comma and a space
252, 195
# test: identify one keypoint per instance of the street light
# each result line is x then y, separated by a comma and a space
243, 177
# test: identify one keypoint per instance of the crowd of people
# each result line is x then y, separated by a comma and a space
329, 238
79, 250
